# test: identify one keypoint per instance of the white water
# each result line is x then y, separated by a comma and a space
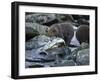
74, 40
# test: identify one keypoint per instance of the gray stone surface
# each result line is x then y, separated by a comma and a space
82, 57
40, 28
41, 18
37, 42
64, 63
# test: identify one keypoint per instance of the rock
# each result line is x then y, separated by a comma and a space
64, 18
61, 51
81, 19
45, 59
37, 42
33, 65
75, 54
40, 28
34, 57
68, 63
44, 42
83, 57
69, 57
49, 19
44, 50
76, 17
84, 45
30, 33
83, 22
86, 17
64, 63
42, 18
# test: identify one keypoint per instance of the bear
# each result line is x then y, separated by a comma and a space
62, 30
82, 34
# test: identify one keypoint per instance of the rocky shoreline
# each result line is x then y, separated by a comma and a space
44, 51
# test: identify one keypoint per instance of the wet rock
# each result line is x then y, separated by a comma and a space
37, 42
34, 57
44, 42
42, 60
30, 33
47, 52
65, 63
83, 57
33, 65
49, 18
76, 17
69, 57
61, 52
81, 54
84, 45
41, 29
37, 56
64, 18
68, 63
42, 18
83, 22
86, 17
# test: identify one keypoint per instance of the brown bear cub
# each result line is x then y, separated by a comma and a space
82, 34
63, 30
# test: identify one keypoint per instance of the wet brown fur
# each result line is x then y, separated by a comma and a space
82, 34
63, 30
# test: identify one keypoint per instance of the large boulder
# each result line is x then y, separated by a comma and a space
83, 57
37, 42
33, 65
44, 50
41, 18
81, 19
81, 54
44, 42
41, 29
64, 63
48, 18
60, 52
83, 22
30, 33
64, 18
